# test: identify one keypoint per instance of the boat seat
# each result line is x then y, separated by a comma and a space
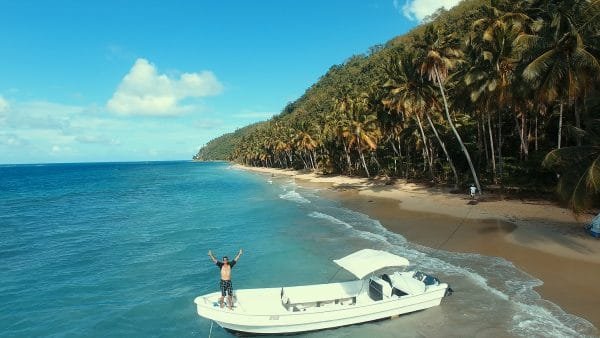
395, 290
379, 289
407, 284
321, 293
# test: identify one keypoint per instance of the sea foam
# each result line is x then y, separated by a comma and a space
294, 196
531, 315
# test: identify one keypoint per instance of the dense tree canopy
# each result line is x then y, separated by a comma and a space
479, 94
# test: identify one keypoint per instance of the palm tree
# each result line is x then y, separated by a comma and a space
560, 67
443, 54
408, 92
338, 126
364, 132
579, 168
306, 144
492, 73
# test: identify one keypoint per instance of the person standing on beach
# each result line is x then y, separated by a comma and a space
225, 284
472, 191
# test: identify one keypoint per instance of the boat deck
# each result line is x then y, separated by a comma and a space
293, 299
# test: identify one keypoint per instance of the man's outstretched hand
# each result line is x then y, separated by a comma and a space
241, 252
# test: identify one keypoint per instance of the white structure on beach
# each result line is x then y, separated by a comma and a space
594, 227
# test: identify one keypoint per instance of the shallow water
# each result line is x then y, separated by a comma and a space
119, 249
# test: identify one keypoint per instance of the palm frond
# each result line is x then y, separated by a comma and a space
593, 176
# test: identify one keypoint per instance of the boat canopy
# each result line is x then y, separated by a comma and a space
365, 261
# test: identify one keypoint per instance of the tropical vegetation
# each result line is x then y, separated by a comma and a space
500, 94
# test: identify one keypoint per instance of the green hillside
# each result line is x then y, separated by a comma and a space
221, 148
500, 93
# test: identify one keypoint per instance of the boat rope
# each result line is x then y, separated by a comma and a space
211, 325
456, 229
338, 270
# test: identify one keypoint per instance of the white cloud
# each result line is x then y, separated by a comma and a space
39, 115
11, 140
419, 9
145, 92
96, 139
3, 104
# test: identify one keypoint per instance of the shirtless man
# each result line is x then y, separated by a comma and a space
225, 266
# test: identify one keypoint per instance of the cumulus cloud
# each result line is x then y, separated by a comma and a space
143, 91
419, 9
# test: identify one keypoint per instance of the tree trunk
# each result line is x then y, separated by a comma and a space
485, 141
303, 160
444, 149
462, 145
500, 163
428, 160
395, 157
560, 118
536, 132
347, 155
362, 158
492, 147
310, 160
521, 131
577, 123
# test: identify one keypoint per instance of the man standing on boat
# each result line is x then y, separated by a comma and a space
225, 284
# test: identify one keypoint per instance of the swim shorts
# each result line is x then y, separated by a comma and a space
226, 288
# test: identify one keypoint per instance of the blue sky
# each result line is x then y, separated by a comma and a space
85, 81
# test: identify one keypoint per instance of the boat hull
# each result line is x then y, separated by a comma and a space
320, 319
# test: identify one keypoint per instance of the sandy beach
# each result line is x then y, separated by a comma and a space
539, 237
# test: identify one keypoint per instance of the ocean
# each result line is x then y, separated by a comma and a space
120, 250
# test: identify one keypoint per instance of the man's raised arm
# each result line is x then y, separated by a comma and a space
238, 255
210, 254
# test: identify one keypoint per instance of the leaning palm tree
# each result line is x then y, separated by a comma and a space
443, 54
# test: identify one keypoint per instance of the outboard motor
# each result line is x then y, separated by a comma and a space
449, 291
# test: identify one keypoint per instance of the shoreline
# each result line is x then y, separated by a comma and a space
537, 236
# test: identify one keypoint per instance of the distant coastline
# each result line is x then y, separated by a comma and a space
538, 236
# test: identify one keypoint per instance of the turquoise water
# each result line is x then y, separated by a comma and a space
120, 250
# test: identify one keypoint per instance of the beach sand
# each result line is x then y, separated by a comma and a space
539, 237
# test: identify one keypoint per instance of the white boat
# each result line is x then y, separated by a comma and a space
315, 307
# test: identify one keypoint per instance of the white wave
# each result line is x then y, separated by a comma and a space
316, 214
293, 196
501, 278
368, 235
535, 318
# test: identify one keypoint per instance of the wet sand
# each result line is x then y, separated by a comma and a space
537, 236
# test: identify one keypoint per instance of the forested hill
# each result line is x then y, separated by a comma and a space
490, 93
